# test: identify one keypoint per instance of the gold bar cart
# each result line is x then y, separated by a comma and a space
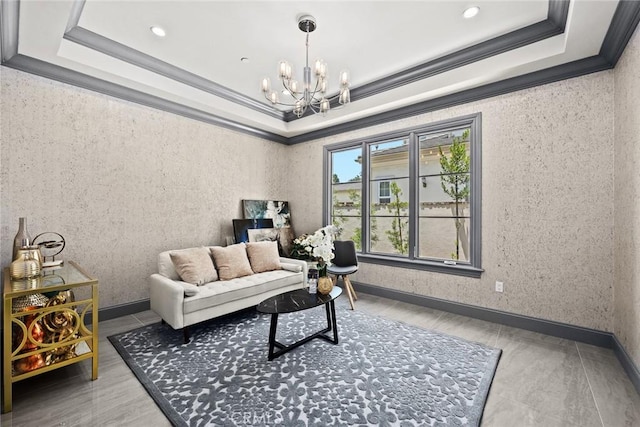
42, 337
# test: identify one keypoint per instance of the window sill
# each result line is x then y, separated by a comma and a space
436, 267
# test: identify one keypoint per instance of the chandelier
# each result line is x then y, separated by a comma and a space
308, 95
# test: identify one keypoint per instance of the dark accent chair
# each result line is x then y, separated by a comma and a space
343, 264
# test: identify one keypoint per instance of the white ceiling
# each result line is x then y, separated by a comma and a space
372, 39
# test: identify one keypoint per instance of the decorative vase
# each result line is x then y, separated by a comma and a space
25, 302
325, 285
23, 238
33, 328
25, 266
34, 361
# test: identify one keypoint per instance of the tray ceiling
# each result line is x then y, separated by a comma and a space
402, 56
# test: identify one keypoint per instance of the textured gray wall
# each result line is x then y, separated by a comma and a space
627, 199
547, 203
123, 182
120, 181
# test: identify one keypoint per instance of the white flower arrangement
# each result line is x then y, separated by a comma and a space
318, 246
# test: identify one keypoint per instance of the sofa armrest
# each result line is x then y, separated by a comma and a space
301, 263
167, 298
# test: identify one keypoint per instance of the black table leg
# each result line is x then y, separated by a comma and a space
329, 322
334, 322
272, 335
282, 349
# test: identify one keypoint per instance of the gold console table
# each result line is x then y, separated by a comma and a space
44, 325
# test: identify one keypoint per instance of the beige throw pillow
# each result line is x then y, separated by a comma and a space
231, 261
291, 267
263, 256
194, 266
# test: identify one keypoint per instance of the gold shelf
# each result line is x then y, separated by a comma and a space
50, 336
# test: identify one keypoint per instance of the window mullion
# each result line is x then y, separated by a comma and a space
476, 191
365, 204
327, 188
413, 195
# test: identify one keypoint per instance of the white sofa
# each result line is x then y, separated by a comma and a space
182, 304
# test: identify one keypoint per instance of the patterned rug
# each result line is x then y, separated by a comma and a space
381, 373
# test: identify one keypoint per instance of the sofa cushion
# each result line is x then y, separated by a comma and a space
231, 261
194, 265
223, 291
263, 256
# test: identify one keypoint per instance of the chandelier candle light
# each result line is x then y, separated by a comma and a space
308, 96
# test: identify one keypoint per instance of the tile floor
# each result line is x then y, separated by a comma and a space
540, 381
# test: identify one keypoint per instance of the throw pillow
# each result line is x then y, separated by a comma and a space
231, 261
291, 267
194, 266
263, 256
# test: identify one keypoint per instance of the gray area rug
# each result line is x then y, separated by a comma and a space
381, 373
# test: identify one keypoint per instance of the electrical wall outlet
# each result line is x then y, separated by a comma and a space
499, 286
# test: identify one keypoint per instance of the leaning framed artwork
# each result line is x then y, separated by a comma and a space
276, 210
242, 226
263, 234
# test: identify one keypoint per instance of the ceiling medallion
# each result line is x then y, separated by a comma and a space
307, 96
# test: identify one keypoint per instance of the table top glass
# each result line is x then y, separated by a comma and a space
296, 300
68, 275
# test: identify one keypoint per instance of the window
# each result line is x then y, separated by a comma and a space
411, 198
384, 192
346, 192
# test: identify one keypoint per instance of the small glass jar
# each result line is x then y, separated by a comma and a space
313, 285
312, 280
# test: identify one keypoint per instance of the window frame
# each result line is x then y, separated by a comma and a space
471, 269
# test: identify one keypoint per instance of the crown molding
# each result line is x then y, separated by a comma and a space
623, 24
552, 26
64, 75
549, 75
124, 53
558, 13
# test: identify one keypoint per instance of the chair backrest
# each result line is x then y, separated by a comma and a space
345, 253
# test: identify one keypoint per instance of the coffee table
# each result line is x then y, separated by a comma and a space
298, 300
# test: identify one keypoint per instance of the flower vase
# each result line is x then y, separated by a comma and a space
325, 284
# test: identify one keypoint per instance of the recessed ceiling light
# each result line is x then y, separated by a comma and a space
471, 12
244, 59
158, 31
